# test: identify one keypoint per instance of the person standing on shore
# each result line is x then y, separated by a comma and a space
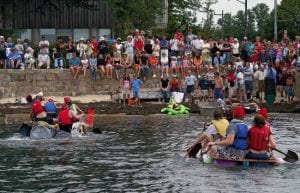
135, 86
125, 86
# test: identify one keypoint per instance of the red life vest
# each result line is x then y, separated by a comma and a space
37, 107
259, 138
64, 117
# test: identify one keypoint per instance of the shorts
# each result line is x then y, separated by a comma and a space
118, 70
2, 54
126, 91
241, 86
136, 94
204, 93
108, 66
190, 89
218, 93
229, 152
291, 91
66, 128
261, 85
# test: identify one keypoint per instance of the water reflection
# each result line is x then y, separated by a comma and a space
138, 154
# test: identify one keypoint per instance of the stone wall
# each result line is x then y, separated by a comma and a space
52, 82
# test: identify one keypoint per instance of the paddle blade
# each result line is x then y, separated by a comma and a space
97, 131
25, 130
291, 157
90, 117
192, 151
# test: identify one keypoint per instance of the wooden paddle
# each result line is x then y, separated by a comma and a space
290, 156
195, 148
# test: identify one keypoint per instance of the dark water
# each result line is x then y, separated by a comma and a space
138, 154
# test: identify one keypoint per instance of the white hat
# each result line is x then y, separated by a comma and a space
102, 38
81, 39
235, 39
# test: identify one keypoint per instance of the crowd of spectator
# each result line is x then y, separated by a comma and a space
216, 68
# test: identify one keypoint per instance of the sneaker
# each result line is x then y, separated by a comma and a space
154, 76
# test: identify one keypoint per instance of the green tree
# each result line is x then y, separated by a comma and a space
261, 16
289, 17
182, 14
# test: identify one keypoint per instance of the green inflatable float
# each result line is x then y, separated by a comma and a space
175, 109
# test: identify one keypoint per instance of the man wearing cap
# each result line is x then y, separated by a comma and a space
235, 145
72, 106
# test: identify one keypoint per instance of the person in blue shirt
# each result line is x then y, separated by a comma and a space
51, 108
135, 87
14, 59
74, 65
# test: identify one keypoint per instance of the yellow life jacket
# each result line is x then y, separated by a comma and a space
221, 126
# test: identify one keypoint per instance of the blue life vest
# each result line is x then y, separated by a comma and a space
240, 140
50, 107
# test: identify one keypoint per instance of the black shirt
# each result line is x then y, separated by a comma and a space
164, 83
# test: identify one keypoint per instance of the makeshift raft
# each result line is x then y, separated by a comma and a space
246, 162
42, 131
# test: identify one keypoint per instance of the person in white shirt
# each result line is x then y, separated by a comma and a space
241, 93
44, 44
260, 75
190, 81
129, 50
235, 47
197, 44
43, 59
174, 46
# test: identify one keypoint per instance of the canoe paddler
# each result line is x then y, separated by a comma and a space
215, 131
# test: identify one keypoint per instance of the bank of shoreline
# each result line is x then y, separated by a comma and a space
15, 113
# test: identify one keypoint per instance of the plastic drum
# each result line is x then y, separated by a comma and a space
63, 135
41, 132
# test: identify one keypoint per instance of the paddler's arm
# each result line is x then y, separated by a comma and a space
226, 142
272, 142
75, 116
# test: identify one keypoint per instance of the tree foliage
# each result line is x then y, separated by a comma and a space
289, 17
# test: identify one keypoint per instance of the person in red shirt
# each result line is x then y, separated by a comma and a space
260, 139
38, 111
153, 61
67, 117
139, 44
95, 44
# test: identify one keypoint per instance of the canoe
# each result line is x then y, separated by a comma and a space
246, 162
